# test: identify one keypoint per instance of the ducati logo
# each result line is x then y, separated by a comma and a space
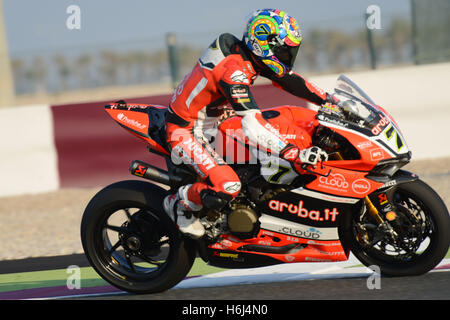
199, 154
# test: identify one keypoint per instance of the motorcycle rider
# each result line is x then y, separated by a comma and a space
222, 76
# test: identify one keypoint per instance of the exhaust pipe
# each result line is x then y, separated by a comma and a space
144, 170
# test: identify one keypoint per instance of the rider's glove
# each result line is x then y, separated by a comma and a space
306, 156
290, 153
312, 155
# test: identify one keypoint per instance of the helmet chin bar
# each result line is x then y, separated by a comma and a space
285, 54
258, 63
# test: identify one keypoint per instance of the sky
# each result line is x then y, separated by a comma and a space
34, 26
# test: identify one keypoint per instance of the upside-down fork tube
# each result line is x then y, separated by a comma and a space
373, 211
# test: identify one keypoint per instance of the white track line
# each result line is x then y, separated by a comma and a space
277, 273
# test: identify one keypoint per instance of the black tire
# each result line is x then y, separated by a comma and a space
146, 237
435, 216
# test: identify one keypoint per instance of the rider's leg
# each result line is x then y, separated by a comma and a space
219, 181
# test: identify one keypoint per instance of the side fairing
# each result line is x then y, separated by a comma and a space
306, 213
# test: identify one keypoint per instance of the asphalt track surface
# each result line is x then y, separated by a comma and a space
431, 286
434, 285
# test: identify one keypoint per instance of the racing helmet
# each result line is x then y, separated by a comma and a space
274, 38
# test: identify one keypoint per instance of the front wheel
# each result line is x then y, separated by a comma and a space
413, 244
130, 242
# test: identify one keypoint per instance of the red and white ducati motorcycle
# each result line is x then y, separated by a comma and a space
358, 201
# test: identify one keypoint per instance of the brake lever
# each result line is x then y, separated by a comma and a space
305, 167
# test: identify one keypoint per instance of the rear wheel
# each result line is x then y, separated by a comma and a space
412, 244
131, 243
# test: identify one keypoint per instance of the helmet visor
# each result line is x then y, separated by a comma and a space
286, 54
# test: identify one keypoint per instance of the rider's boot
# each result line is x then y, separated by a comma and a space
183, 212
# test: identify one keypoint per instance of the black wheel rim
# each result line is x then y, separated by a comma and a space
414, 229
133, 244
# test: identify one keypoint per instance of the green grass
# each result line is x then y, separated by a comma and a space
89, 278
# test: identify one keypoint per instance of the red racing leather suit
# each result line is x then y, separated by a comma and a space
222, 76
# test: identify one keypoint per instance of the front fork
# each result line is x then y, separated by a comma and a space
384, 210
372, 210
381, 208
380, 204
378, 230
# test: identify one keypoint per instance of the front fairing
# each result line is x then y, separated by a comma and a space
359, 112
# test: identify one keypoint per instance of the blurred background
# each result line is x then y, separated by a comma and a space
135, 48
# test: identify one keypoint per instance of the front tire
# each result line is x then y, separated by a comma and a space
131, 242
422, 228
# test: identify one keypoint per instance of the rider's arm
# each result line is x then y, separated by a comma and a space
235, 87
260, 131
299, 86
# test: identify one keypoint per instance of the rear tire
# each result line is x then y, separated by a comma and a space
141, 252
433, 220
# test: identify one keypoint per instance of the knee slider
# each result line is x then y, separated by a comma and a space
214, 200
